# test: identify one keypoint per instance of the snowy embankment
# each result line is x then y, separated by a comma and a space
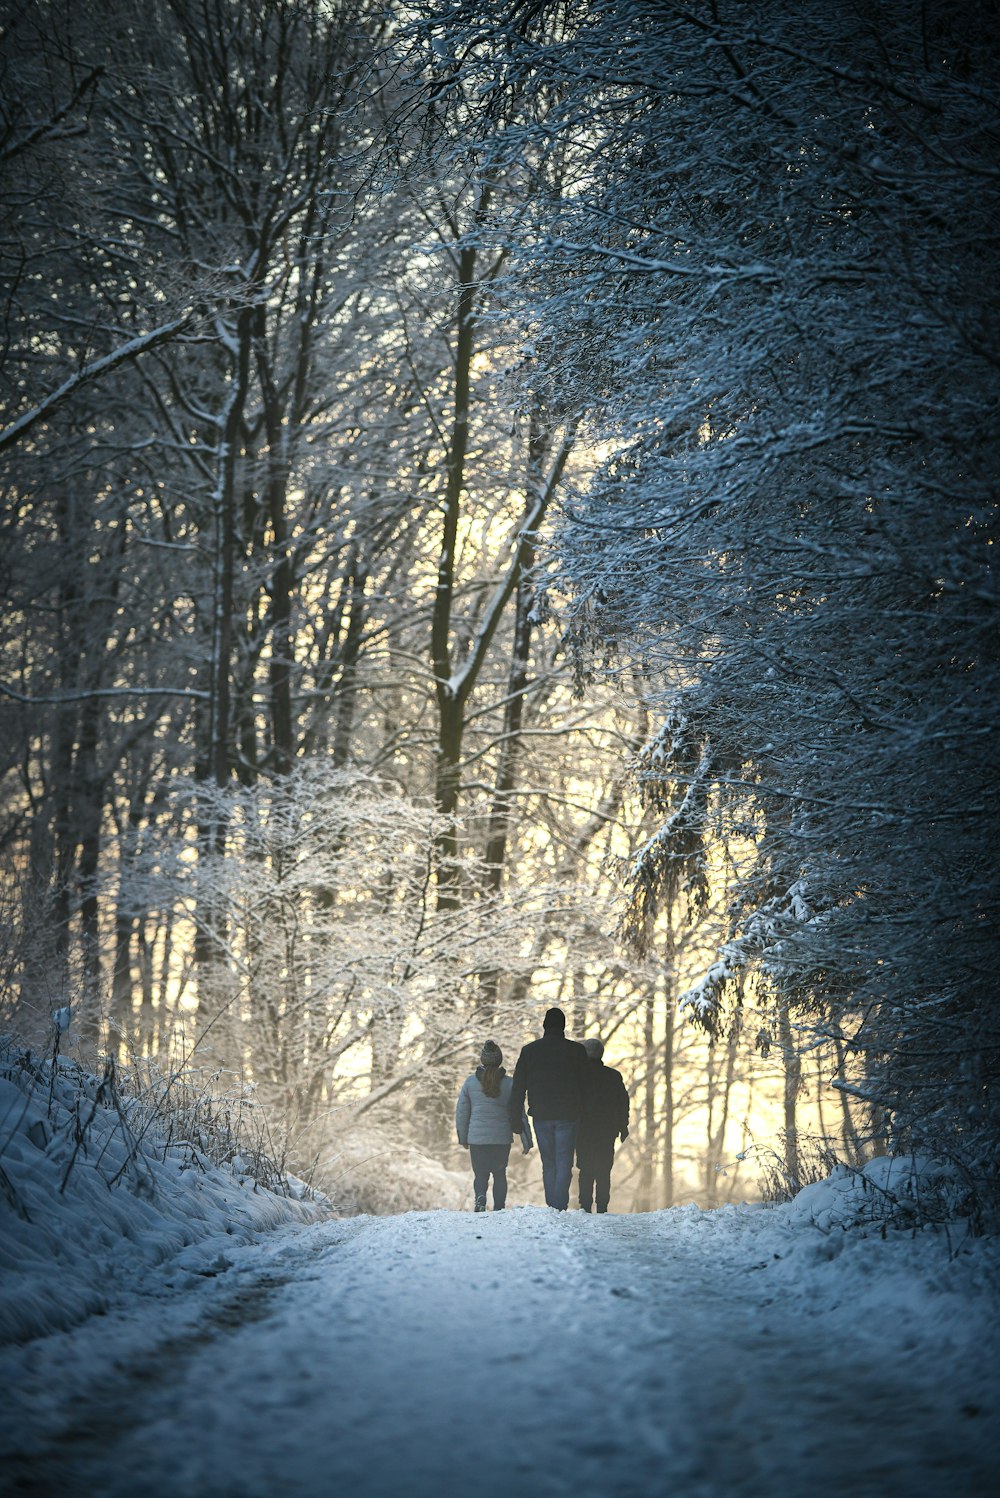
92, 1197
742, 1353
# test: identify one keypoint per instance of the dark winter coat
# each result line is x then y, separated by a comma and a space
607, 1106
551, 1072
480, 1119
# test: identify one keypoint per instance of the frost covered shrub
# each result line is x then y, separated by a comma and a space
373, 1170
211, 1114
901, 1191
119, 1120
335, 979
777, 1182
98, 1186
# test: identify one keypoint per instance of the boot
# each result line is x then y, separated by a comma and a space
480, 1204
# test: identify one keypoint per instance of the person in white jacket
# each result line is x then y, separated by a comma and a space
482, 1119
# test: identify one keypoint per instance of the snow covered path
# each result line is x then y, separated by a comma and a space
730, 1353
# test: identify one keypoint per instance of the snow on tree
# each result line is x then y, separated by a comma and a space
774, 284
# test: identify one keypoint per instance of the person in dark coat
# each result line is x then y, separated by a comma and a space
605, 1120
550, 1072
482, 1121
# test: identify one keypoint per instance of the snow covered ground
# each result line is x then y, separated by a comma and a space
745, 1351
172, 1329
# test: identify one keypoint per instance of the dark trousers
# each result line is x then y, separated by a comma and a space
556, 1138
490, 1160
595, 1162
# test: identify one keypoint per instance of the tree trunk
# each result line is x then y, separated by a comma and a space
89, 804
643, 1201
282, 640
209, 939
792, 1084
451, 707
848, 1128
121, 972
517, 676
670, 1013
347, 693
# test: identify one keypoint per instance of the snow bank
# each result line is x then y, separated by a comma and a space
906, 1189
840, 1257
89, 1204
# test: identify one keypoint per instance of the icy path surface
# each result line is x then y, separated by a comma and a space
710, 1355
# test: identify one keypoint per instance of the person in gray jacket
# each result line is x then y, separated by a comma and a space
482, 1119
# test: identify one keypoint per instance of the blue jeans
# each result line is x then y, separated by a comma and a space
556, 1144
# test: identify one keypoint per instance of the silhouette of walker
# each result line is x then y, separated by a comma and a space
550, 1072
483, 1116
605, 1119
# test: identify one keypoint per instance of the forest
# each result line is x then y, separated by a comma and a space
498, 508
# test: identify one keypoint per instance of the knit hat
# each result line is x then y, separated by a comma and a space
554, 1020
491, 1054
594, 1048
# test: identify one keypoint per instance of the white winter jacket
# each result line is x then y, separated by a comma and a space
485, 1120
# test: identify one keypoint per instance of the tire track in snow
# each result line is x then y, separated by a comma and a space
102, 1418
